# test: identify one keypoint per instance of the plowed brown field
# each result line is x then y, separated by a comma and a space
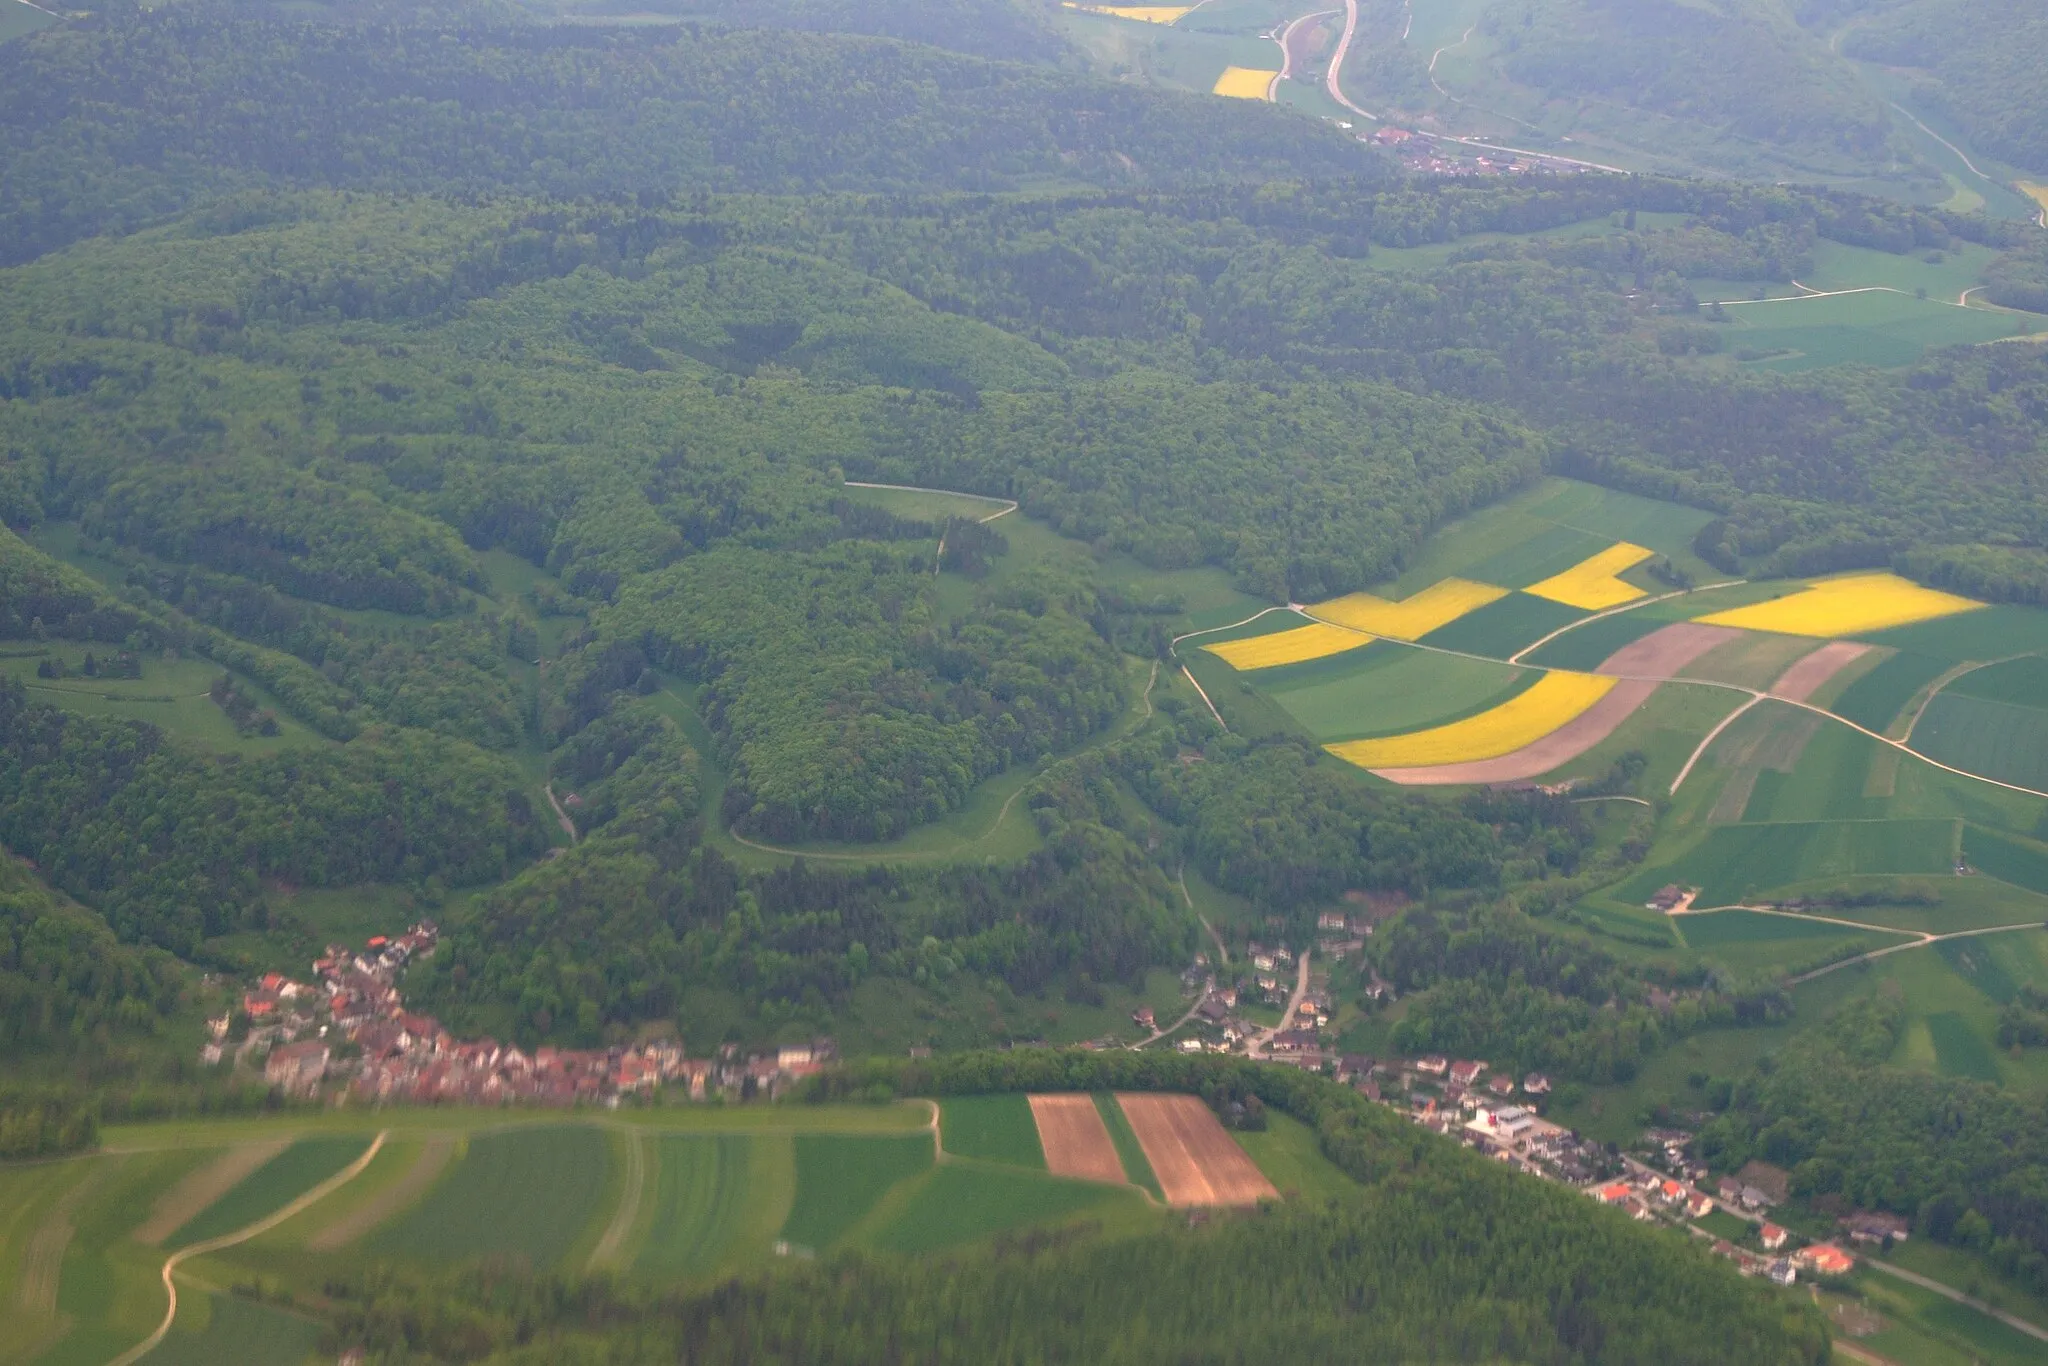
1194, 1157
1076, 1141
1806, 675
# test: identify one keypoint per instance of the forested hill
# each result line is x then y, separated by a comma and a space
1012, 30
118, 119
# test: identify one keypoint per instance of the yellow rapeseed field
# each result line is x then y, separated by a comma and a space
1245, 83
1288, 647
1847, 606
1591, 584
1413, 617
1521, 720
2036, 192
1144, 14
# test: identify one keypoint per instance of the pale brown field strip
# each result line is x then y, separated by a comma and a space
1663, 652
1809, 672
1075, 1140
1194, 1157
399, 1195
203, 1186
1561, 746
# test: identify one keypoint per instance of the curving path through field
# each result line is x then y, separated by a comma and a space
243, 1235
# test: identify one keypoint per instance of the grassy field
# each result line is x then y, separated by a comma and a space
1996, 632
1749, 943
1137, 1167
839, 1179
1390, 689
528, 1193
171, 694
961, 1201
1588, 646
991, 1128
2022, 862
2002, 740
1738, 862
718, 1201
1499, 629
272, 1186
919, 506
1291, 1157
216, 1329
1876, 699
1877, 328
2019, 682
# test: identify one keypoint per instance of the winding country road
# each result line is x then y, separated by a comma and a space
243, 1235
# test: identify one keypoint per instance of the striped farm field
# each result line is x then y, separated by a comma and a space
840, 1177
1852, 605
1245, 83
1314, 641
1391, 690
524, 1193
272, 1186
1075, 1138
2003, 740
1551, 702
1194, 1157
1875, 700
2018, 682
718, 1200
1502, 627
1413, 617
1594, 584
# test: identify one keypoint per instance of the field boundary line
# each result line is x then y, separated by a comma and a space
1941, 684
628, 1212
1010, 504
1212, 630
1891, 949
243, 1235
1205, 699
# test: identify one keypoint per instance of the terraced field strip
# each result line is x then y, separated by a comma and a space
400, 1194
183, 1202
1076, 1141
1194, 1157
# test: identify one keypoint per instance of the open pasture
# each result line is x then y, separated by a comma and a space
1852, 605
1877, 327
991, 1128
1314, 641
1194, 1157
839, 1179
527, 1193
1245, 83
1735, 863
218, 1330
1412, 617
1393, 690
1552, 701
1503, 627
2002, 740
1595, 583
1753, 942
1076, 1141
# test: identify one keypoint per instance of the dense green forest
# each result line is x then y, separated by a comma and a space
1977, 63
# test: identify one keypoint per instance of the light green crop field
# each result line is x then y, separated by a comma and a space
216, 1330
1551, 526
2001, 740
2019, 682
1503, 626
1137, 1167
1588, 646
1876, 699
717, 1203
959, 1202
296, 1170
839, 1180
1395, 689
1996, 632
992, 1128
1749, 942
526, 1193
2021, 862
1291, 1156
1737, 862
1836, 266
1877, 328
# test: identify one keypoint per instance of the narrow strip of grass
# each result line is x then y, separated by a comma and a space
1137, 1170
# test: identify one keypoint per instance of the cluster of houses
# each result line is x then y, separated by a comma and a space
349, 1030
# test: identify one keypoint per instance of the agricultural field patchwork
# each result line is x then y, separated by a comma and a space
525, 1193
1735, 863
1193, 1155
2003, 740
1413, 617
1595, 583
1389, 689
1853, 605
1503, 627
840, 1178
991, 1128
1552, 701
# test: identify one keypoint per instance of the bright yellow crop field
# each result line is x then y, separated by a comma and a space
1848, 606
1414, 617
1144, 14
1591, 584
1244, 83
1521, 720
1288, 647
2036, 192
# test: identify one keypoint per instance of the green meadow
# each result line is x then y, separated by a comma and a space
991, 1128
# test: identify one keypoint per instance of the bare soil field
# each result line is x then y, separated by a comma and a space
1194, 1157
203, 1186
1561, 746
1810, 672
1663, 653
399, 1195
1076, 1141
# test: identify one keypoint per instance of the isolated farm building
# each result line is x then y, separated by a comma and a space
1824, 1259
1666, 897
1466, 1073
1866, 1227
1772, 1237
297, 1068
1144, 1018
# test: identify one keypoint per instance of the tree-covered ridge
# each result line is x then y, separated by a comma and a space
1008, 30
128, 116
1984, 59
66, 983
